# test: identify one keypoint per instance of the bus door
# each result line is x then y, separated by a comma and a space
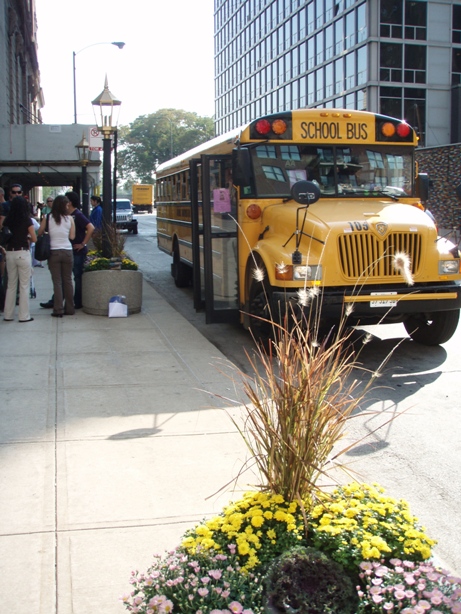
218, 276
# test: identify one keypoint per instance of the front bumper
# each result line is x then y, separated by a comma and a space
374, 302
127, 224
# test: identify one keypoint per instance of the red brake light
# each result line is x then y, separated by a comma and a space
403, 129
263, 126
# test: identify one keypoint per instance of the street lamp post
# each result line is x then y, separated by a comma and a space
83, 149
75, 53
105, 103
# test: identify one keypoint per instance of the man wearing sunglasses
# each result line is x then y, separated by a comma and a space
15, 190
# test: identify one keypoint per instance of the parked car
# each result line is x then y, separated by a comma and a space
125, 219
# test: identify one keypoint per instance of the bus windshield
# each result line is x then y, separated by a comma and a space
353, 171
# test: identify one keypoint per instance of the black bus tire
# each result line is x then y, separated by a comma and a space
432, 328
182, 274
260, 321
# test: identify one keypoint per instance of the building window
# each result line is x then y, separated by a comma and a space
391, 17
414, 110
456, 30
329, 50
319, 47
362, 66
362, 100
415, 64
311, 53
302, 58
302, 92
319, 13
390, 62
456, 66
339, 76
339, 36
390, 101
350, 30
329, 91
350, 71
319, 84
311, 88
415, 20
362, 23
310, 18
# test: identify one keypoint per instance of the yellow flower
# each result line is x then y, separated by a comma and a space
243, 548
280, 515
257, 521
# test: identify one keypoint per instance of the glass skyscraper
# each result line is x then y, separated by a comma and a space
397, 57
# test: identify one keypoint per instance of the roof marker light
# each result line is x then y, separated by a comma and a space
388, 129
279, 126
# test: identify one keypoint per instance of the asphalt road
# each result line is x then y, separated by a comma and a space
415, 455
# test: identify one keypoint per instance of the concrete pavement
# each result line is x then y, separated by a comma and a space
109, 449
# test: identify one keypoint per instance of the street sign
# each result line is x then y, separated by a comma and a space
95, 139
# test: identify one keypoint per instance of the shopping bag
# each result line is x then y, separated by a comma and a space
117, 307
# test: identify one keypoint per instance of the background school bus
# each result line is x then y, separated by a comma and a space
142, 197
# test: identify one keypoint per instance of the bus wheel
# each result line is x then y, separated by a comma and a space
260, 310
432, 328
182, 274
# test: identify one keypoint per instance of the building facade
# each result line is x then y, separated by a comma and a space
20, 95
397, 57
32, 153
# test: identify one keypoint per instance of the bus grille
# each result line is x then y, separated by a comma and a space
365, 256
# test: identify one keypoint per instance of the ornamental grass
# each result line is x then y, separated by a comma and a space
301, 394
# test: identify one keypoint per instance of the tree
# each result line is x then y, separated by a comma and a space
157, 137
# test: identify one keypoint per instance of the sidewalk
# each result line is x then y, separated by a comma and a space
109, 448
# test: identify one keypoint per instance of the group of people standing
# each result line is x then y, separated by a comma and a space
69, 231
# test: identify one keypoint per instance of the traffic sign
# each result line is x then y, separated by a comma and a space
95, 139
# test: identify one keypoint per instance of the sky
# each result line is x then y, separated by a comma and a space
167, 61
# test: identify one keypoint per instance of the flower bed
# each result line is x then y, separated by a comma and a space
222, 564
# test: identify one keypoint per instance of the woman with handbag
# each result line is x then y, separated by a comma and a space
18, 260
61, 230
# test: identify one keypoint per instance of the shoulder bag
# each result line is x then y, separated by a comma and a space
43, 247
5, 236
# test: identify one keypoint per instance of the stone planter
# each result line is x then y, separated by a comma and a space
99, 286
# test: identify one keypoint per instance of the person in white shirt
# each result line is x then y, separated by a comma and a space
61, 229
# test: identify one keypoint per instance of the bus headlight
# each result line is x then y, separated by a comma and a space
305, 272
447, 267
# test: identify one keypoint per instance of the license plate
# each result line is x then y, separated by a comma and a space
381, 303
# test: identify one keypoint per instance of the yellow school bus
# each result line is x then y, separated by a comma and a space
304, 209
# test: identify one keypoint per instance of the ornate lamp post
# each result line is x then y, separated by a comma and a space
75, 53
83, 154
104, 108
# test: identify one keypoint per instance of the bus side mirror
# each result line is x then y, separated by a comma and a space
422, 187
241, 167
305, 192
